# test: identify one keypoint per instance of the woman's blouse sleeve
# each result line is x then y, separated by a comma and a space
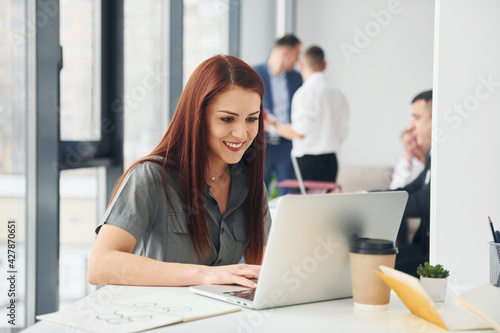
134, 205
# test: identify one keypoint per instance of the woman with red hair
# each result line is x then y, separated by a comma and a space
187, 213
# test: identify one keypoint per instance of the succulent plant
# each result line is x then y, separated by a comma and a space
432, 271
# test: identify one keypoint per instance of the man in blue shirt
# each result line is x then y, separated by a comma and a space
280, 81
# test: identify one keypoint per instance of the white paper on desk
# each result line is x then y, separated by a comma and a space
92, 314
459, 319
484, 302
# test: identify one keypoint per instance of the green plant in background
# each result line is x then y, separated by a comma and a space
430, 271
273, 189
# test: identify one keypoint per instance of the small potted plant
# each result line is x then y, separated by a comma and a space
434, 280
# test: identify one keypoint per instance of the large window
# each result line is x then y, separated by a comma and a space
80, 120
206, 31
80, 79
79, 152
13, 94
146, 77
79, 210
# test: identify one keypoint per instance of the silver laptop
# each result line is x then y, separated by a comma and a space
307, 253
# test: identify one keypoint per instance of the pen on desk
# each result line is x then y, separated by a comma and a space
493, 230
496, 239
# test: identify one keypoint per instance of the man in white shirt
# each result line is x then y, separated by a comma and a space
319, 120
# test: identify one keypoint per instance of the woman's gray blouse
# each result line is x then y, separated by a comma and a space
140, 207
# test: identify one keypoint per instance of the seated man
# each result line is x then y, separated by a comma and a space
418, 206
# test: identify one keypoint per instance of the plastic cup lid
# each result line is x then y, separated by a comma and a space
372, 246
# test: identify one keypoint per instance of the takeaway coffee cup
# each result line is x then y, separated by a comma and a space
369, 292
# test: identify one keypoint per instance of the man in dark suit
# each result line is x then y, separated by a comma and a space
416, 252
280, 82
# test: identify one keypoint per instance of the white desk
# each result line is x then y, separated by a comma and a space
330, 316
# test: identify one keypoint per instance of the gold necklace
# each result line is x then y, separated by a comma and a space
225, 171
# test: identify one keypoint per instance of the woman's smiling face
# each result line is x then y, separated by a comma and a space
233, 123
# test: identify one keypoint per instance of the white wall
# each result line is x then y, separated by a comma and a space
383, 77
466, 150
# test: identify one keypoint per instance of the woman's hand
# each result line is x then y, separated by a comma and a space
232, 274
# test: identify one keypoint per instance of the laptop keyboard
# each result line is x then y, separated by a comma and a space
246, 294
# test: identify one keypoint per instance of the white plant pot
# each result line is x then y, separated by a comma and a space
436, 288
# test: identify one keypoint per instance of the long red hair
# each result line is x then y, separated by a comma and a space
184, 148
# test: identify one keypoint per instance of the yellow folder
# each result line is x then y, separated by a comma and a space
416, 299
